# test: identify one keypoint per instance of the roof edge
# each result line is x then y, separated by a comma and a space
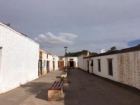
21, 34
131, 49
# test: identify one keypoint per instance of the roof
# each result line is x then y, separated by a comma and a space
61, 56
8, 25
84, 55
131, 49
44, 51
12, 29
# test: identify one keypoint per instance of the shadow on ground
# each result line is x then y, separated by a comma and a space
83, 89
87, 89
39, 89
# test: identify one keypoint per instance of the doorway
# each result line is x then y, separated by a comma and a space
53, 65
61, 64
71, 63
91, 66
88, 66
48, 67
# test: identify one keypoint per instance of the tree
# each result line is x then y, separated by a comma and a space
70, 54
113, 48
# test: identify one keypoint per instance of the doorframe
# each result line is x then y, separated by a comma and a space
88, 66
70, 63
48, 66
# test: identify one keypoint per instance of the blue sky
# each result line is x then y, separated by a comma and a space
78, 24
133, 43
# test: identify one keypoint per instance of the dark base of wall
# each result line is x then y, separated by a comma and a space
124, 86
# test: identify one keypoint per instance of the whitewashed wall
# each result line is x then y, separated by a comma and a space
19, 62
56, 59
50, 58
126, 67
81, 62
0, 60
75, 59
65, 59
104, 66
44, 65
85, 64
129, 68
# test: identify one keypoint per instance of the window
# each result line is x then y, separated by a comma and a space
99, 65
91, 66
110, 67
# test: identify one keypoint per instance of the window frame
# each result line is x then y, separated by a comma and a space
99, 65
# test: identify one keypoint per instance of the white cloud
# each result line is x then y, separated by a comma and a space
67, 35
99, 23
51, 40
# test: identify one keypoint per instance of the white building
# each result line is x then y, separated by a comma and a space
56, 59
18, 58
42, 64
47, 62
71, 61
121, 66
50, 60
81, 62
53, 62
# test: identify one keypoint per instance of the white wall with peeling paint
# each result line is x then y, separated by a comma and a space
19, 62
129, 68
80, 62
126, 67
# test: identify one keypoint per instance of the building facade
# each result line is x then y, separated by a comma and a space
68, 62
121, 66
42, 63
47, 62
18, 58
